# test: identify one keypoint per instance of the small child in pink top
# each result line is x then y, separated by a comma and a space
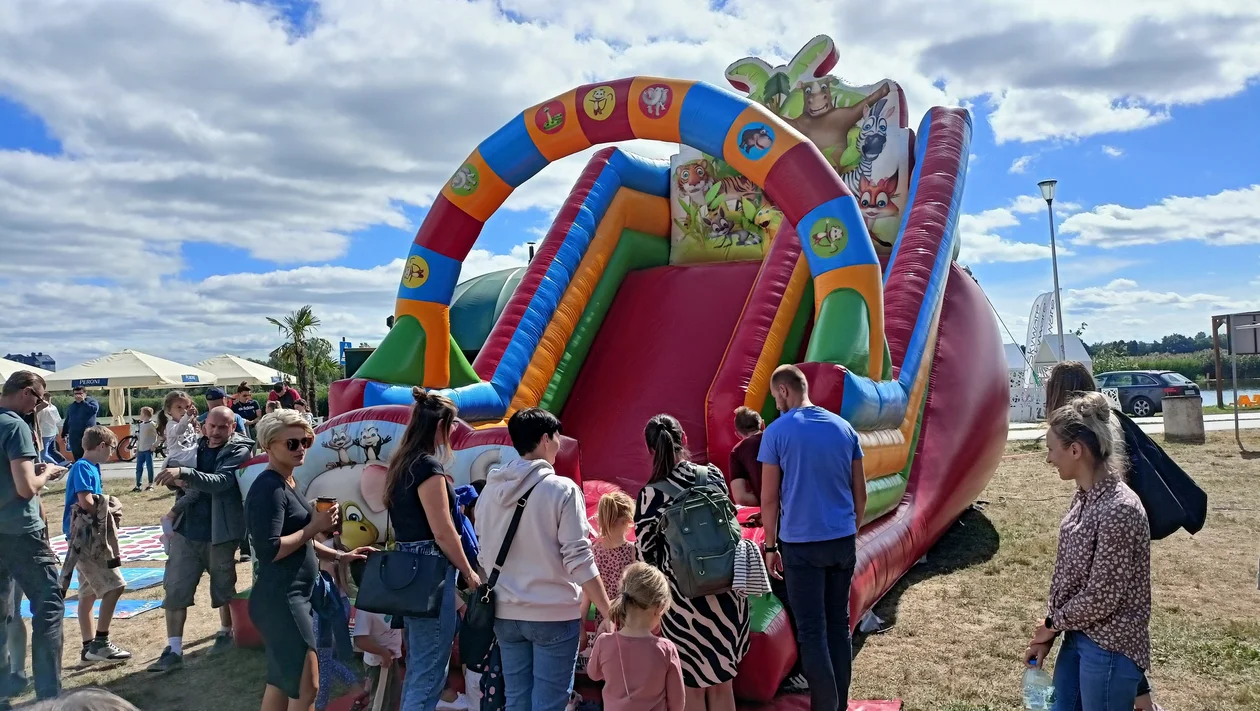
640, 671
614, 552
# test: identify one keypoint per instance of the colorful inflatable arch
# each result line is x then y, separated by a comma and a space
605, 331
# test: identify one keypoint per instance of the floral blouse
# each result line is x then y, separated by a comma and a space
1102, 575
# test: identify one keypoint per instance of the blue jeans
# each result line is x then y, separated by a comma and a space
144, 459
429, 642
28, 560
50, 455
818, 577
1089, 678
538, 663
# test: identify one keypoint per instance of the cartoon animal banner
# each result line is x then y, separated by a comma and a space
350, 462
718, 215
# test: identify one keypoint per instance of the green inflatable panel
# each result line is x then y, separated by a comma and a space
842, 333
635, 250
762, 609
792, 344
399, 360
462, 372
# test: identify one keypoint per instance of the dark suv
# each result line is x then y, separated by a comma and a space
1142, 391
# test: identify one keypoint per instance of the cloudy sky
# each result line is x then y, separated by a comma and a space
173, 172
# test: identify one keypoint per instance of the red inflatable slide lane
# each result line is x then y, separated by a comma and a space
659, 347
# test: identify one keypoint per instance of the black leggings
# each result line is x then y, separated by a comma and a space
1144, 686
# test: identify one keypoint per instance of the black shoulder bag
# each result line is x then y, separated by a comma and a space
476, 635
402, 583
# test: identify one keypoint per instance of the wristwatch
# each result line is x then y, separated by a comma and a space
1050, 625
772, 548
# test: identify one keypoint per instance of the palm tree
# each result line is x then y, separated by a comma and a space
295, 328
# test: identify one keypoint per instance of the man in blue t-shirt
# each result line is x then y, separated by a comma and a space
813, 495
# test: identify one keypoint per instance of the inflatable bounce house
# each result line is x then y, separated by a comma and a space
801, 222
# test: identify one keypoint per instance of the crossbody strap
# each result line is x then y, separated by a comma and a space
508, 537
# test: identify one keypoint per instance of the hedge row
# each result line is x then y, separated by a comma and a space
63, 401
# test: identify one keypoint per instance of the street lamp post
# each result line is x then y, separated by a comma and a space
1047, 193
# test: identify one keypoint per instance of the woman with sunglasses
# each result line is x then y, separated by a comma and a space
421, 503
283, 528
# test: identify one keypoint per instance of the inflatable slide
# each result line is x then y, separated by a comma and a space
802, 223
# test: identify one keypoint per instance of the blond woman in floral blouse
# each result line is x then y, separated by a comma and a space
1100, 595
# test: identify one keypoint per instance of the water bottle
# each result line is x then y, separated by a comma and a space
1038, 688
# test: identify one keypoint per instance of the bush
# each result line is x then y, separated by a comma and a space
1198, 366
199, 398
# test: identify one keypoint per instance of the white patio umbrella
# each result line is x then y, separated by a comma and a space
9, 367
229, 369
129, 369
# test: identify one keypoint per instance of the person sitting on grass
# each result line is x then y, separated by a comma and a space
745, 468
97, 580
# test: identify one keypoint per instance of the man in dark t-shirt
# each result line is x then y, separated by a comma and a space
745, 469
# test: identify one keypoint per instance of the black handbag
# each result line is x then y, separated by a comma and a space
476, 634
402, 583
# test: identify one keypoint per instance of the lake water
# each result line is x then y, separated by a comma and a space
1249, 388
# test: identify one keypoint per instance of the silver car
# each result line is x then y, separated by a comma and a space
1142, 391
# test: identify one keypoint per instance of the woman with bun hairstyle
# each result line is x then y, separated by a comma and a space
1100, 593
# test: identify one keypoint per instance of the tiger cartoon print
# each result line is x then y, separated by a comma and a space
695, 179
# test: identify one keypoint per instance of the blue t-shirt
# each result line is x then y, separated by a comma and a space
84, 476
815, 449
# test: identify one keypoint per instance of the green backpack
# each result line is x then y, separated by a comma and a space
701, 531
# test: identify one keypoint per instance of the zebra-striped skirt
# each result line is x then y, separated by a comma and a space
711, 632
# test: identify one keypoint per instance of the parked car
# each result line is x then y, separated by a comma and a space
1142, 391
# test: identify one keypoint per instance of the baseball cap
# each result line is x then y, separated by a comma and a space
216, 394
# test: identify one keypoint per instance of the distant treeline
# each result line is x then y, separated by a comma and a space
1196, 365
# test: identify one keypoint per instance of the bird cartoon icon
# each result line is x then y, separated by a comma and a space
356, 529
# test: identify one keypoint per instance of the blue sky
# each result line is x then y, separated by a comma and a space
202, 165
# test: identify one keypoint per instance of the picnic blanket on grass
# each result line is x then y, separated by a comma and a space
136, 543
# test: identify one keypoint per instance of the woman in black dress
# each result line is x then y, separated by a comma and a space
421, 503
282, 528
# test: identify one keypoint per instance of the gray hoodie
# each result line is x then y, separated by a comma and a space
551, 556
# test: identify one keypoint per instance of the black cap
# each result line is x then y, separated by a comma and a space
216, 394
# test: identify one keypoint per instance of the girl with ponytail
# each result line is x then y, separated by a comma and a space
1100, 593
709, 662
639, 669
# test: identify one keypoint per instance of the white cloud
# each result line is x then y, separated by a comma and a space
1121, 309
1020, 165
1112, 151
981, 244
1230, 217
213, 122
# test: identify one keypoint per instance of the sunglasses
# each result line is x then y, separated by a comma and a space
295, 444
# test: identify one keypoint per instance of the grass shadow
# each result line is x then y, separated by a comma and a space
233, 679
971, 541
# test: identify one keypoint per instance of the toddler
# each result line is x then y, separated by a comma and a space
146, 438
178, 423
639, 669
179, 427
613, 549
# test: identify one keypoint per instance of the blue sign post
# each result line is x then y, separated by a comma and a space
342, 351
